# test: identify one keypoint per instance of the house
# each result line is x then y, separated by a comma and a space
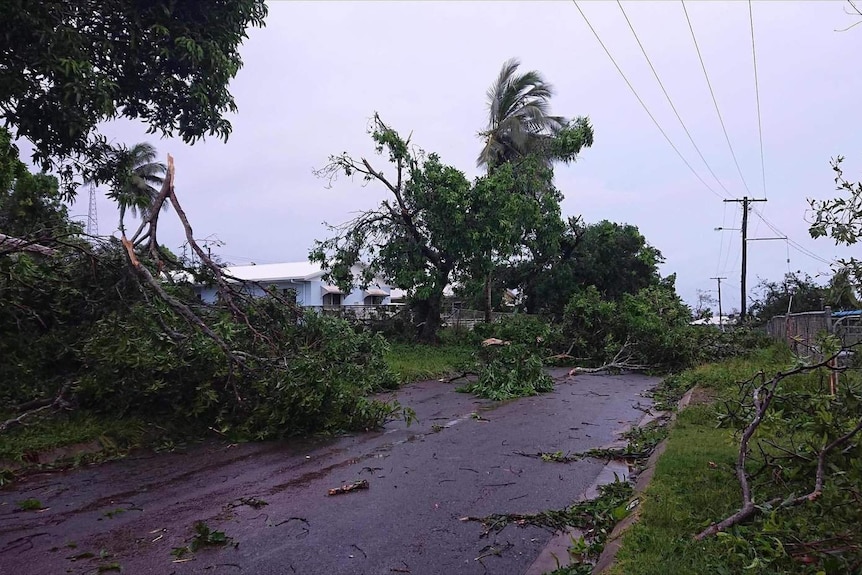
304, 281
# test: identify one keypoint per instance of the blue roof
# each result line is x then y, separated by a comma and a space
847, 313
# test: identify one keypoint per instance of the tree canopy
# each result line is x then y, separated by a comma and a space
614, 258
436, 227
67, 66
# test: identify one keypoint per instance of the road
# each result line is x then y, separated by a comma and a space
460, 458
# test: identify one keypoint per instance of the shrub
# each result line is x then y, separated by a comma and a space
510, 371
88, 323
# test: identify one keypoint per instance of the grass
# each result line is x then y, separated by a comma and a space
22, 443
417, 362
695, 485
103, 437
692, 486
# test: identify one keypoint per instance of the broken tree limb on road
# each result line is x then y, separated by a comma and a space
622, 361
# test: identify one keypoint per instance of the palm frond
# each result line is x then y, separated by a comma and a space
518, 112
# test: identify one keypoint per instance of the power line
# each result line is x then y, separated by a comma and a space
721, 237
757, 96
669, 101
714, 101
629, 84
795, 245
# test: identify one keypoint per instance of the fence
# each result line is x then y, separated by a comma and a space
468, 318
360, 313
370, 314
800, 330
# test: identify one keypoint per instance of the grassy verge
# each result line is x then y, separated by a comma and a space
67, 441
416, 362
694, 485
691, 487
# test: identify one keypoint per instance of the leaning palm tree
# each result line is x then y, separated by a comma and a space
519, 123
137, 179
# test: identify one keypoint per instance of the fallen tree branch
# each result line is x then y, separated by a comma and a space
622, 361
59, 402
763, 396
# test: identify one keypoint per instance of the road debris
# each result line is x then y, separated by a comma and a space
348, 487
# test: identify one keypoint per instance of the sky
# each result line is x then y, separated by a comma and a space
318, 71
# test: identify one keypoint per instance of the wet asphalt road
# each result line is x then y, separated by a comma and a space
423, 478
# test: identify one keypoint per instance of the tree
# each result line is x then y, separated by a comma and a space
67, 66
435, 227
521, 130
794, 294
414, 238
841, 294
31, 205
520, 124
135, 176
647, 329
704, 301
614, 258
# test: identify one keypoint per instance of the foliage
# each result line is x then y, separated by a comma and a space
841, 218
614, 258
31, 205
522, 136
135, 176
204, 537
30, 504
694, 482
596, 518
534, 332
510, 371
651, 327
520, 125
796, 292
85, 326
69, 66
435, 227
321, 384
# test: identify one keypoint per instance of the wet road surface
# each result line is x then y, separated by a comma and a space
459, 459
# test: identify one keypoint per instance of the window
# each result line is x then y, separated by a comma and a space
332, 299
374, 300
289, 294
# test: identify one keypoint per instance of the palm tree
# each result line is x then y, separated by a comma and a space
519, 122
137, 179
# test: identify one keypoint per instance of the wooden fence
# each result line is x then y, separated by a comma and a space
800, 330
371, 314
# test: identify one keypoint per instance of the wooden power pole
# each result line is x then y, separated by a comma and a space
720, 316
744, 201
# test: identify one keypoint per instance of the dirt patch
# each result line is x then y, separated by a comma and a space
701, 396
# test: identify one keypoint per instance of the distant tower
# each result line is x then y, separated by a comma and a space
92, 217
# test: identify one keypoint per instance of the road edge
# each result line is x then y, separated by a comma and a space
555, 553
614, 542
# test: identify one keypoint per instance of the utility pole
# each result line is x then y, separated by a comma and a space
720, 318
744, 201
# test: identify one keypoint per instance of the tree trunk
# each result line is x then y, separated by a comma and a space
433, 309
488, 316
432, 321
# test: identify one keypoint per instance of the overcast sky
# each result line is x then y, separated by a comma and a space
319, 70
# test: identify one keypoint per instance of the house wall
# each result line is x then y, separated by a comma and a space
308, 293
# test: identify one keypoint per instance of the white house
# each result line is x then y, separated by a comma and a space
304, 279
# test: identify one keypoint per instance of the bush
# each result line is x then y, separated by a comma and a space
88, 323
652, 326
510, 371
534, 332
